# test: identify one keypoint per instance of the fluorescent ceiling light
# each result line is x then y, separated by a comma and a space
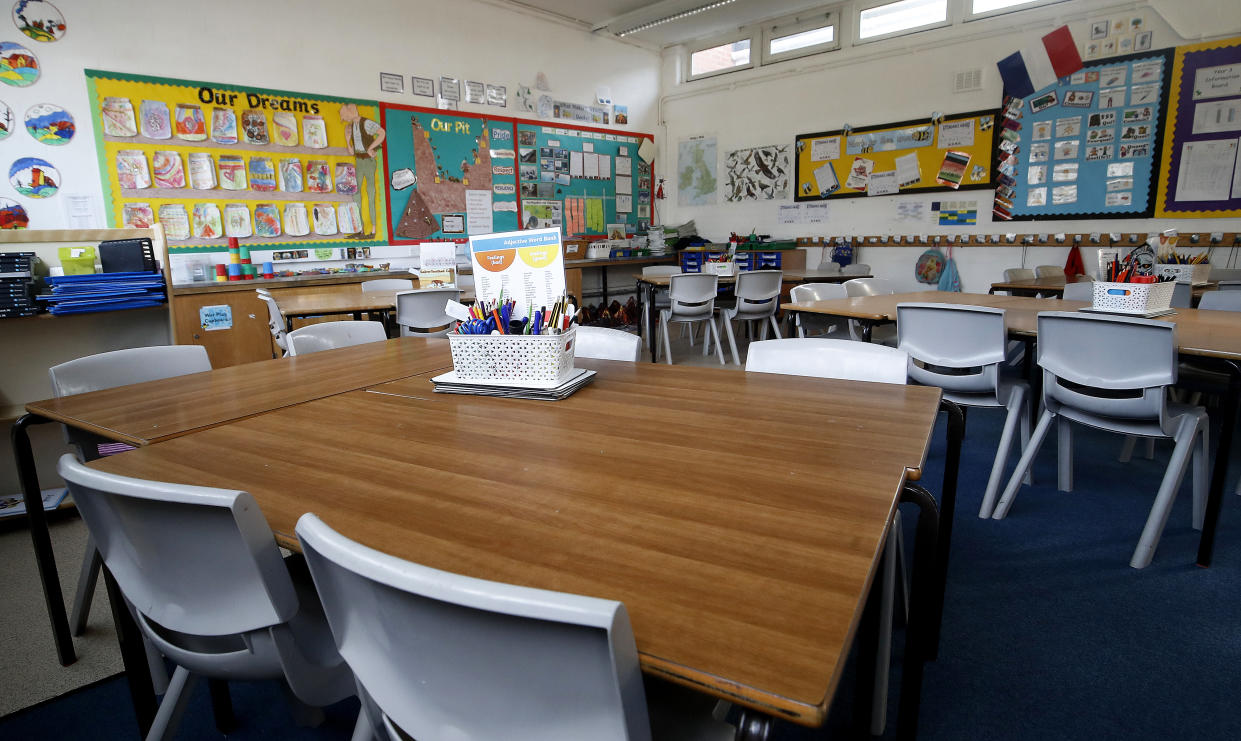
675, 17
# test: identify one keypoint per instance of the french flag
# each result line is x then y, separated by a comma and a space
1040, 65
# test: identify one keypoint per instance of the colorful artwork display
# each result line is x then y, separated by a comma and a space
757, 174
6, 120
19, 66
34, 178
13, 215
49, 124
210, 160
39, 19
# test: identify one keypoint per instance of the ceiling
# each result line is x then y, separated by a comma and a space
615, 16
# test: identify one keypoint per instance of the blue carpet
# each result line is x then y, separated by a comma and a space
1047, 634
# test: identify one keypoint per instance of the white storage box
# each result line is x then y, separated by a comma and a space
1193, 274
516, 358
720, 268
1132, 298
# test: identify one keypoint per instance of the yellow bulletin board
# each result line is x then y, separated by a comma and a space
294, 179
906, 157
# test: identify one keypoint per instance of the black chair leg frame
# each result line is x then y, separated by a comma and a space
1219, 474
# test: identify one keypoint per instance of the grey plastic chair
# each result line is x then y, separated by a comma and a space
691, 298
829, 266
202, 573
758, 300
1221, 301
1012, 274
660, 295
1113, 373
275, 320
1048, 271
387, 284
807, 292
1182, 296
1229, 285
1081, 291
438, 655
421, 313
333, 335
602, 343
104, 371
883, 334
961, 349
856, 268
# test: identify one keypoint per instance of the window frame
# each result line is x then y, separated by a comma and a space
744, 35
793, 26
949, 10
970, 15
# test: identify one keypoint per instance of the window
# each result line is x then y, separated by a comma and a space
988, 8
798, 38
715, 60
890, 19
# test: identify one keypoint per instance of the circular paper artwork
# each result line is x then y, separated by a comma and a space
50, 124
34, 178
18, 65
39, 19
12, 215
6, 120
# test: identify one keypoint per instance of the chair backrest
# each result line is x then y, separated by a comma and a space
1229, 285
869, 287
196, 560
807, 292
331, 335
1225, 274
1012, 274
660, 270
952, 336
388, 284
446, 656
758, 292
1221, 301
602, 343
1048, 271
829, 266
856, 268
422, 312
275, 320
107, 370
1081, 291
1129, 362
843, 359
1182, 296
693, 294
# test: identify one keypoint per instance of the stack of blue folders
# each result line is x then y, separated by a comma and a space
80, 294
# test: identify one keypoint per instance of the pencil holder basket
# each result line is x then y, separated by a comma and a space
720, 268
518, 358
1192, 274
1132, 298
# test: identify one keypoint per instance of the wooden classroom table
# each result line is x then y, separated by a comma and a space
1212, 336
1053, 286
744, 582
345, 299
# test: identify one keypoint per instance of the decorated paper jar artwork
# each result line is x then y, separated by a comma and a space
262, 174
207, 221
223, 126
39, 19
266, 220
49, 124
34, 178
156, 120
131, 169
254, 126
19, 66
175, 221
232, 172
296, 221
284, 128
348, 218
168, 170
318, 179
118, 117
138, 215
346, 179
237, 220
325, 219
6, 120
291, 176
202, 171
12, 215
190, 124
314, 132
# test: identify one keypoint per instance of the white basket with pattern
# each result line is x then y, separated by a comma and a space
1132, 298
720, 268
1192, 274
516, 358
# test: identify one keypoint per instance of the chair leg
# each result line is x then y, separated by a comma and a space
1027, 460
732, 338
1202, 474
706, 335
173, 706
801, 330
362, 728
88, 577
1126, 450
690, 329
775, 327
1150, 448
304, 716
1016, 405
1186, 434
719, 346
663, 325
155, 663
1064, 455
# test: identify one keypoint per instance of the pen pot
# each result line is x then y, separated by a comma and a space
1132, 298
513, 358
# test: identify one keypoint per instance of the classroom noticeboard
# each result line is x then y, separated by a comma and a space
1087, 146
451, 175
911, 156
209, 161
582, 179
1202, 165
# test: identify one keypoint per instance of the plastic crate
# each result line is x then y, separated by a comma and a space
518, 358
1194, 274
1132, 298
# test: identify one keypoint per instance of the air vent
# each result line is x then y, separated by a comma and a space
967, 81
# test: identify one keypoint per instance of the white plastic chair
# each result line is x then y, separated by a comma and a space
691, 299
758, 300
883, 334
1182, 296
602, 343
829, 266
1113, 373
856, 268
1048, 271
202, 573
1082, 291
1229, 285
1221, 300
1012, 274
275, 319
807, 292
441, 656
332, 335
961, 349
659, 295
421, 313
104, 371
387, 284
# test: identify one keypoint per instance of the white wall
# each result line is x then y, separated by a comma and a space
899, 79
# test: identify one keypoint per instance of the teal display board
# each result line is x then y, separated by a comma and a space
449, 174
582, 179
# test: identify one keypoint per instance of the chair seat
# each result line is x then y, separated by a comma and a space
1141, 428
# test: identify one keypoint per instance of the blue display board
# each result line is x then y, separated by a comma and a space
1088, 146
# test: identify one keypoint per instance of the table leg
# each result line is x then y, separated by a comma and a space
603, 275
652, 321
44, 557
921, 609
753, 726
1219, 474
222, 706
867, 651
133, 655
948, 505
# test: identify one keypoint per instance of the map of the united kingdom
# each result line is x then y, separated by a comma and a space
696, 172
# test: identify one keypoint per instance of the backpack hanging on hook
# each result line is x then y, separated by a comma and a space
950, 280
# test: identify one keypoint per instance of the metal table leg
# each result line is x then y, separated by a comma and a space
948, 505
922, 604
45, 558
652, 322
1219, 474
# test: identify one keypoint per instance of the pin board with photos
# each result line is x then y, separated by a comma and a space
922, 155
1086, 146
451, 175
210, 161
1202, 165
582, 179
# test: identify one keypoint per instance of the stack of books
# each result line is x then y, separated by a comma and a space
449, 383
17, 284
81, 294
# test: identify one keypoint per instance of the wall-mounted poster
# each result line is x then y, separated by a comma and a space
205, 149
